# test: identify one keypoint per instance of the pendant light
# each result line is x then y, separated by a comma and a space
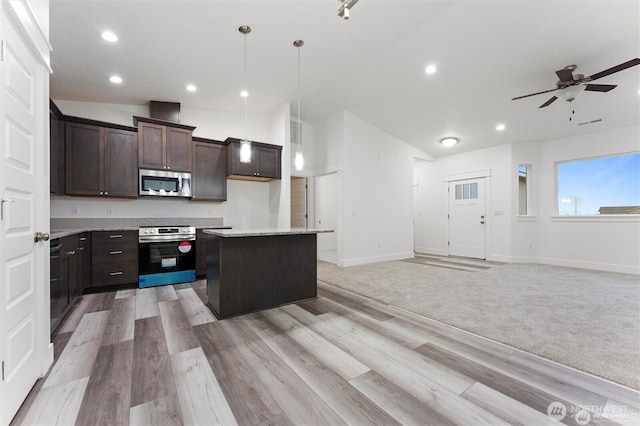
299, 159
245, 143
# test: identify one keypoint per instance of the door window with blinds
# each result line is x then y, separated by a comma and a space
466, 191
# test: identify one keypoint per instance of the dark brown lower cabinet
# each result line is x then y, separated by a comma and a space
114, 257
66, 276
201, 253
248, 274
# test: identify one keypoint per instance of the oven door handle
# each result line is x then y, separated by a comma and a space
165, 239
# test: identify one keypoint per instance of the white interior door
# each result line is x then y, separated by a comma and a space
467, 218
327, 211
23, 191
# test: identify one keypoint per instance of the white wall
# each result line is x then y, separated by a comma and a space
375, 217
598, 242
432, 177
280, 190
612, 243
248, 205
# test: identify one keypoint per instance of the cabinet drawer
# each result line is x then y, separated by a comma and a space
114, 252
115, 273
115, 236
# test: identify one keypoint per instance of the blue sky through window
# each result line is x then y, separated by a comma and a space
585, 186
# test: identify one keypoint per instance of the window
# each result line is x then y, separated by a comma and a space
523, 189
467, 191
607, 185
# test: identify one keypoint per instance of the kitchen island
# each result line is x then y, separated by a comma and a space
248, 271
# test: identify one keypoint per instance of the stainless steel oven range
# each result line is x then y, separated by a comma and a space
167, 255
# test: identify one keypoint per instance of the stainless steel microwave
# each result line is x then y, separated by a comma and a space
162, 183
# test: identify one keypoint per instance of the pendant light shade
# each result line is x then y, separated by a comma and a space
299, 159
245, 144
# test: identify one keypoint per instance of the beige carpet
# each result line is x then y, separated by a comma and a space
588, 320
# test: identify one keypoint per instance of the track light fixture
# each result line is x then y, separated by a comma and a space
344, 6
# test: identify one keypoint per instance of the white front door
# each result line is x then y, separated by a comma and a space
467, 218
24, 266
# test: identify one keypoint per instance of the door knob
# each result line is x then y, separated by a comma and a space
40, 236
482, 222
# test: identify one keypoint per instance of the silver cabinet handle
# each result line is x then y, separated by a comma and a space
115, 236
71, 253
113, 274
115, 252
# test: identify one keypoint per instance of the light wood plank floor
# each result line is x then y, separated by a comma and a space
157, 356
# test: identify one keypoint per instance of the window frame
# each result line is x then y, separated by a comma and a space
622, 217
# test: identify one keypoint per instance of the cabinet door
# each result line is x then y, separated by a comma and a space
268, 162
209, 172
201, 252
179, 149
84, 168
151, 149
236, 167
84, 248
56, 159
121, 163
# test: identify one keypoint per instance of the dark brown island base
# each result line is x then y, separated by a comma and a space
248, 271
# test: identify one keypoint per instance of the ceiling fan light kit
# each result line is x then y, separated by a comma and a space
570, 85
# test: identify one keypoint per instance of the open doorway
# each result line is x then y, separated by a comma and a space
327, 205
299, 217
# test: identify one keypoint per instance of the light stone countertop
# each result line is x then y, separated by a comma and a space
61, 233
231, 233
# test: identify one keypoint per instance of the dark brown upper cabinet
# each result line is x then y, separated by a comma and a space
209, 176
265, 162
163, 145
101, 161
56, 145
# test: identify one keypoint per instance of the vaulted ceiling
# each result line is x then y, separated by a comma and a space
373, 65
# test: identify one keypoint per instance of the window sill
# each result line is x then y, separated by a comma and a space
597, 218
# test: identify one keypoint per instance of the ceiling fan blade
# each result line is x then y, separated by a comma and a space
534, 94
624, 66
600, 87
565, 74
549, 102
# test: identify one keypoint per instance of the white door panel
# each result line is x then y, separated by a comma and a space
467, 221
23, 265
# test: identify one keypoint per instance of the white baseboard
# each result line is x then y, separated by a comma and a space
524, 259
431, 250
609, 267
374, 259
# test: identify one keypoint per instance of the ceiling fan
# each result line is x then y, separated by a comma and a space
571, 85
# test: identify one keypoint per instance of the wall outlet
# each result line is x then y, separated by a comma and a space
109, 211
210, 212
75, 211
530, 245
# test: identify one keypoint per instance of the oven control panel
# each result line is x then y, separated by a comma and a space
166, 233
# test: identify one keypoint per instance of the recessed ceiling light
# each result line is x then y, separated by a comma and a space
449, 142
109, 36
191, 87
500, 127
244, 93
115, 79
431, 69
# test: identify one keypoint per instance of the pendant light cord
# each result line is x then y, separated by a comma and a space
299, 86
246, 98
